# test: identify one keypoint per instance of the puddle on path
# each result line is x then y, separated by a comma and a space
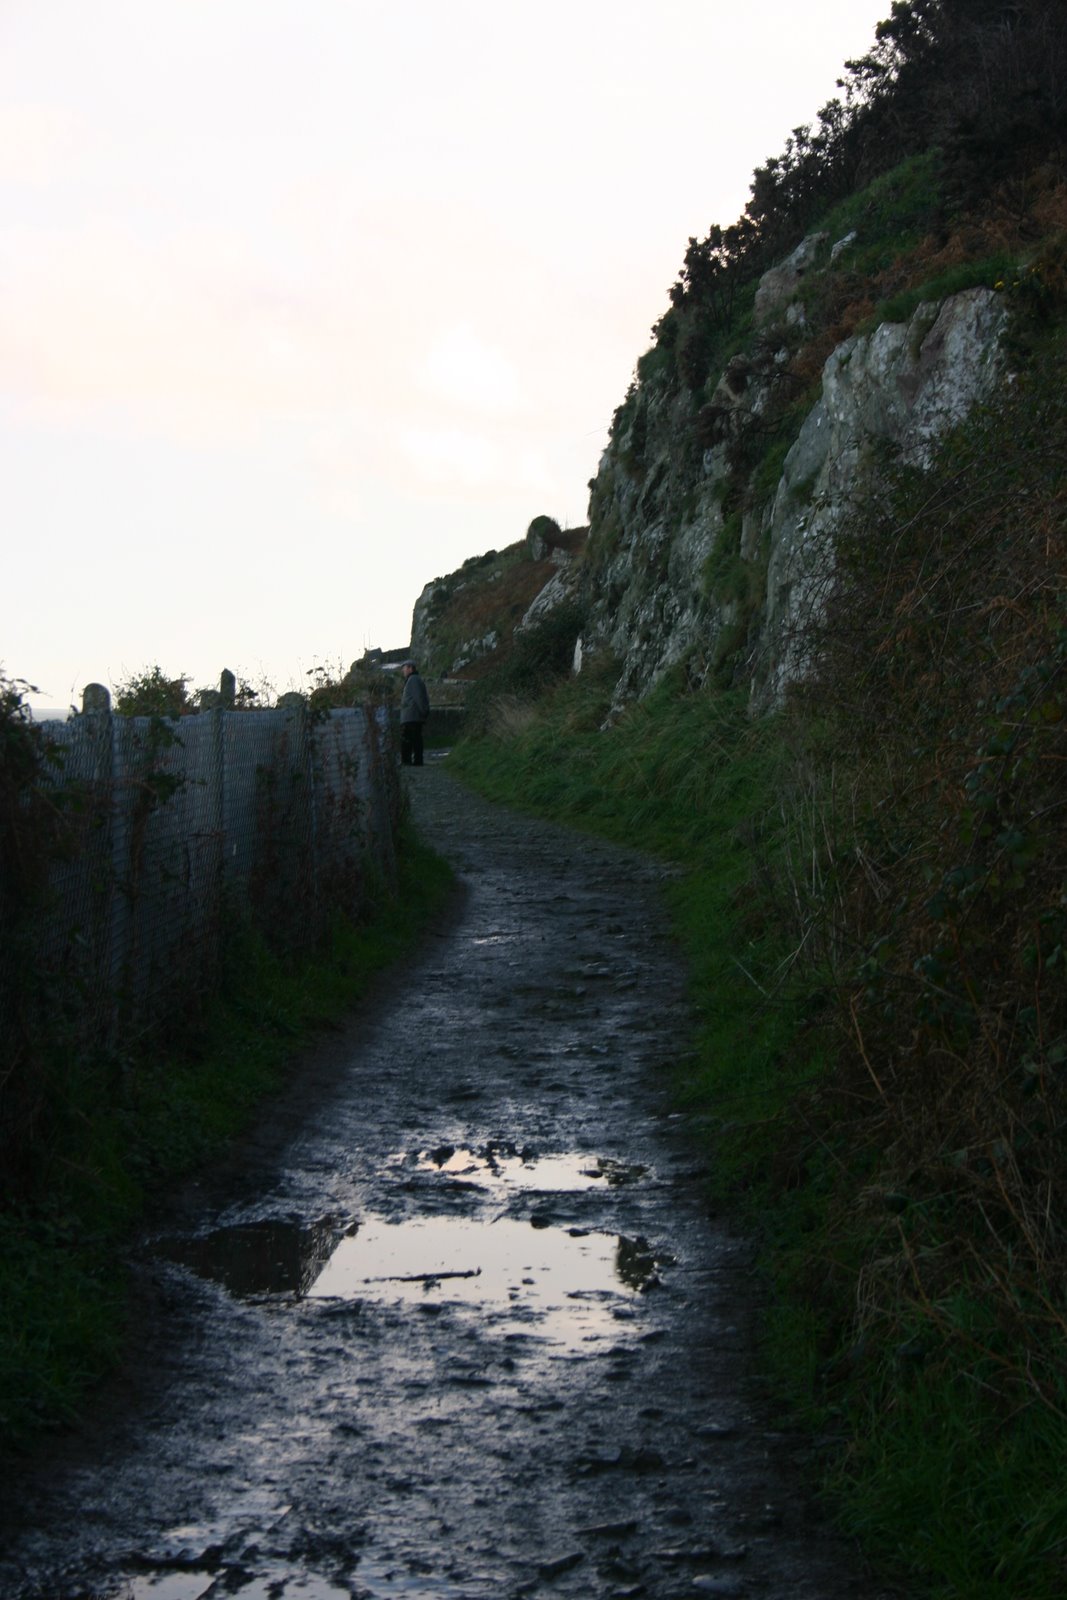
524, 1169
567, 1284
222, 1558
372, 1579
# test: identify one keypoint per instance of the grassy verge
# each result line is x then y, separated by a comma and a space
134, 1125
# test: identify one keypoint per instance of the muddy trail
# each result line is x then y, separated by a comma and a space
454, 1322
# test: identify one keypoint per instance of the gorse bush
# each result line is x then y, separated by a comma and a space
926, 85
27, 756
938, 167
150, 693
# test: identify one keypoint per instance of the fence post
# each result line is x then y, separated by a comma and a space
95, 698
216, 785
381, 771
114, 907
309, 749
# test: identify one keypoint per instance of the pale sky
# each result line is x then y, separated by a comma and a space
303, 302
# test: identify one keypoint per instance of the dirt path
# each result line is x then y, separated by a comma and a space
456, 1324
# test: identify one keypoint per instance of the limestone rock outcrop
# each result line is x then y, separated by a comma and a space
778, 286
707, 551
905, 385
714, 512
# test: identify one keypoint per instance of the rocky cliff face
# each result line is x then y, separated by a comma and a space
714, 512
709, 549
902, 387
465, 623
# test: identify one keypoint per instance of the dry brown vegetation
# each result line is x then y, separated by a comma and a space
931, 873
489, 594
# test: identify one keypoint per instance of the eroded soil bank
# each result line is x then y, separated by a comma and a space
455, 1321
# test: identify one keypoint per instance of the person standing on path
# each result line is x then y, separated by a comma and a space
414, 709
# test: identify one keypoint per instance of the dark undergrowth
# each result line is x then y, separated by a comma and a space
137, 1124
873, 905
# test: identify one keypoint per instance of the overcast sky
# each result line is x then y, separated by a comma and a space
303, 302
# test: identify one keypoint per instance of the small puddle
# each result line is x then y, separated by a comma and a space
278, 1583
525, 1169
373, 1579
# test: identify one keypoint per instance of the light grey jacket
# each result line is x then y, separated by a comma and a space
415, 702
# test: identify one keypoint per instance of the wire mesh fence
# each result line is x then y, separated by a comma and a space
175, 832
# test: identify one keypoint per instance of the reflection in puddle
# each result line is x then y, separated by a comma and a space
272, 1257
167, 1586
374, 1579
570, 1283
276, 1583
525, 1169
189, 1564
635, 1263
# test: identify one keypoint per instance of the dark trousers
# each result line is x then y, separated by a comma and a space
411, 744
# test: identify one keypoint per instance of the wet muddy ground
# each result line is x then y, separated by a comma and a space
455, 1321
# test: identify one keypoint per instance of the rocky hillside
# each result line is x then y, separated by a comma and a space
466, 624
714, 511
859, 311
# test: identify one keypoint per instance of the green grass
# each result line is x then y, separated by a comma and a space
130, 1127
971, 1502
984, 274
61, 1314
890, 216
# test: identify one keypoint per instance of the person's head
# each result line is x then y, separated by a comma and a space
407, 668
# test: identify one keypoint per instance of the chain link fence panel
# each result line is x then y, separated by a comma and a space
176, 832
